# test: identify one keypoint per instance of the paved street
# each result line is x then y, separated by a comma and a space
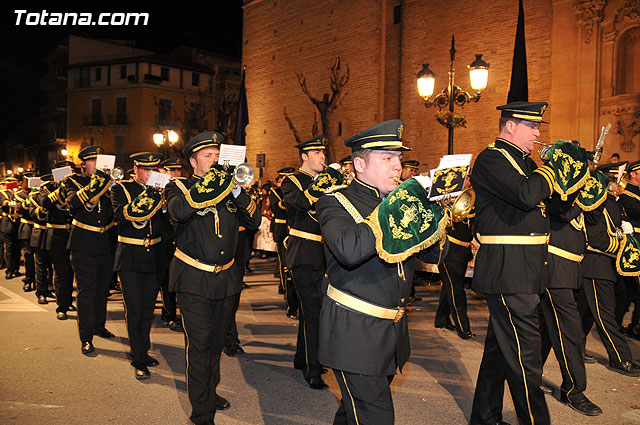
44, 379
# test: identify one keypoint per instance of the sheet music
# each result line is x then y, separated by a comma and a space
60, 173
105, 162
34, 182
158, 180
232, 154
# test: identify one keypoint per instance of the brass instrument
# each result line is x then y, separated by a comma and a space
116, 173
544, 150
618, 185
597, 153
243, 175
461, 206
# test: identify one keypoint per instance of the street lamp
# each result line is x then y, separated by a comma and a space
164, 139
452, 94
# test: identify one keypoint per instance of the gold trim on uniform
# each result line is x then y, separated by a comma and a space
140, 242
513, 239
565, 254
215, 268
305, 235
92, 228
458, 241
365, 307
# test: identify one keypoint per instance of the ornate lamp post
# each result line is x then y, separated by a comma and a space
164, 140
452, 94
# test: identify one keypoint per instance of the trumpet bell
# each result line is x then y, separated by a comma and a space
117, 173
616, 188
243, 175
463, 205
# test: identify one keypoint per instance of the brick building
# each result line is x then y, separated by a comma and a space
580, 56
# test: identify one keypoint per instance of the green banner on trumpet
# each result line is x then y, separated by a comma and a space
143, 206
628, 258
570, 166
211, 188
594, 191
406, 222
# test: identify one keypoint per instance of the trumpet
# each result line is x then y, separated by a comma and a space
461, 206
243, 175
544, 150
617, 186
116, 173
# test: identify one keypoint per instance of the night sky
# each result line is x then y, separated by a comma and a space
216, 26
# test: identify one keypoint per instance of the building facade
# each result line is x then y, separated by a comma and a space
582, 57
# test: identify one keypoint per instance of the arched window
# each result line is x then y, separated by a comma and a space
628, 62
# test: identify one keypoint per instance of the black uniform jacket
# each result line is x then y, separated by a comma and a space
279, 227
8, 224
198, 236
630, 203
350, 340
601, 225
98, 216
567, 234
38, 213
58, 222
461, 233
26, 224
508, 202
132, 257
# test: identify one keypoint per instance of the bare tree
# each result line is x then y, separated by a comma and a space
328, 102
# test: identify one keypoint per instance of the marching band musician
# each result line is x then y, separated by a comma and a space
90, 244
207, 209
510, 267
630, 203
9, 228
280, 232
24, 234
364, 334
409, 169
560, 320
453, 299
173, 167
304, 255
39, 214
138, 255
56, 239
604, 229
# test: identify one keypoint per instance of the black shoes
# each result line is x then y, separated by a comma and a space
151, 362
233, 350
28, 285
466, 335
142, 373
292, 314
316, 382
222, 403
175, 326
42, 299
584, 406
104, 333
61, 315
87, 347
9, 275
588, 359
625, 368
546, 388
447, 326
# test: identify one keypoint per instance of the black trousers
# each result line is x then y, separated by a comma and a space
561, 329
231, 338
453, 299
43, 268
11, 251
627, 293
62, 278
205, 324
93, 277
365, 399
169, 298
139, 294
307, 282
286, 281
29, 262
511, 352
596, 304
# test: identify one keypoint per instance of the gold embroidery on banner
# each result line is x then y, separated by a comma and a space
568, 163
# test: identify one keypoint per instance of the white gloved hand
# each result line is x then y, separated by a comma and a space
627, 227
425, 181
236, 191
335, 166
